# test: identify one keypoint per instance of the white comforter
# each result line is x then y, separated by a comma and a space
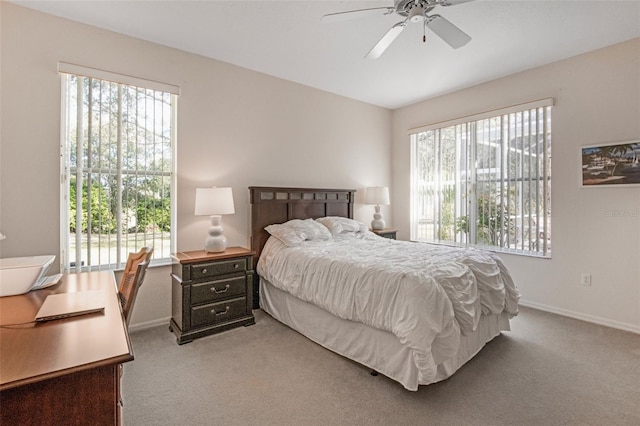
424, 294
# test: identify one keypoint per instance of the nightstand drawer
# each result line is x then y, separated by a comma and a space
212, 291
218, 312
206, 270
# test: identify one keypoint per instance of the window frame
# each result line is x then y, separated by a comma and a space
468, 179
66, 257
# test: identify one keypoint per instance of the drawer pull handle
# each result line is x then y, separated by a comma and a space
204, 271
213, 289
226, 311
236, 265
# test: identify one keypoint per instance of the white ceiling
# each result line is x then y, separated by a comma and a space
286, 39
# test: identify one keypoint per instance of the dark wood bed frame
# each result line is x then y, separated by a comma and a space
271, 205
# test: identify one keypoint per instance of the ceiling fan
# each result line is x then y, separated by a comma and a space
415, 11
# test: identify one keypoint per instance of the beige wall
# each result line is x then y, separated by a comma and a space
235, 128
597, 100
240, 128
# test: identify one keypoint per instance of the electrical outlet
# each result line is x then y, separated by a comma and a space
586, 279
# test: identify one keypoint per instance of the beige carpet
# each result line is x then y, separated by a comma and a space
549, 370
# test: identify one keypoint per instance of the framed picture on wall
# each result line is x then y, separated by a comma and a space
612, 164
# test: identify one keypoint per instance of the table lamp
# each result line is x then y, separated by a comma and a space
214, 202
377, 195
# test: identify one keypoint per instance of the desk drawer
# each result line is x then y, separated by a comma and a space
221, 267
215, 313
212, 291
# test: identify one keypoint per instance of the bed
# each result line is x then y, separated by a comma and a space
411, 311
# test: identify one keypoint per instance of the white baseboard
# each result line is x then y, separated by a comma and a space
584, 317
149, 324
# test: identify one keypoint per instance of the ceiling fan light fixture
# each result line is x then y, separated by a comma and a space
417, 14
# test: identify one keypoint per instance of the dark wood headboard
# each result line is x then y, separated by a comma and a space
271, 205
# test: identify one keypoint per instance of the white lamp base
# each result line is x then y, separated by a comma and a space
216, 242
377, 223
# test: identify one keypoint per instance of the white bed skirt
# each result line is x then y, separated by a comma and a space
376, 349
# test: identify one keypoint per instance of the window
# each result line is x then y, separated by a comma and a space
485, 181
118, 141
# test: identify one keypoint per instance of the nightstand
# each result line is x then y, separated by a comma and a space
210, 292
386, 232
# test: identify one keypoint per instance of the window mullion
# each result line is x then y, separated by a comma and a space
89, 167
118, 189
545, 174
459, 197
79, 169
437, 230
521, 191
504, 193
146, 157
471, 194
529, 179
101, 194
414, 187
65, 176
473, 213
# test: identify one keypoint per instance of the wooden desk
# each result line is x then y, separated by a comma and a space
64, 371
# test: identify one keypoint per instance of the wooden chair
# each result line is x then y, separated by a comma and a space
132, 278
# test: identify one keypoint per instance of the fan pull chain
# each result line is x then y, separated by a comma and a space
424, 30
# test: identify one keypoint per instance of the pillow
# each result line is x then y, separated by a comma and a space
289, 236
341, 225
296, 231
314, 230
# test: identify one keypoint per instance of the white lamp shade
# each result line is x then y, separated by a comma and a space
214, 201
377, 195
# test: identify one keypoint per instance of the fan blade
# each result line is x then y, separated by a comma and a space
354, 14
453, 2
448, 32
386, 40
